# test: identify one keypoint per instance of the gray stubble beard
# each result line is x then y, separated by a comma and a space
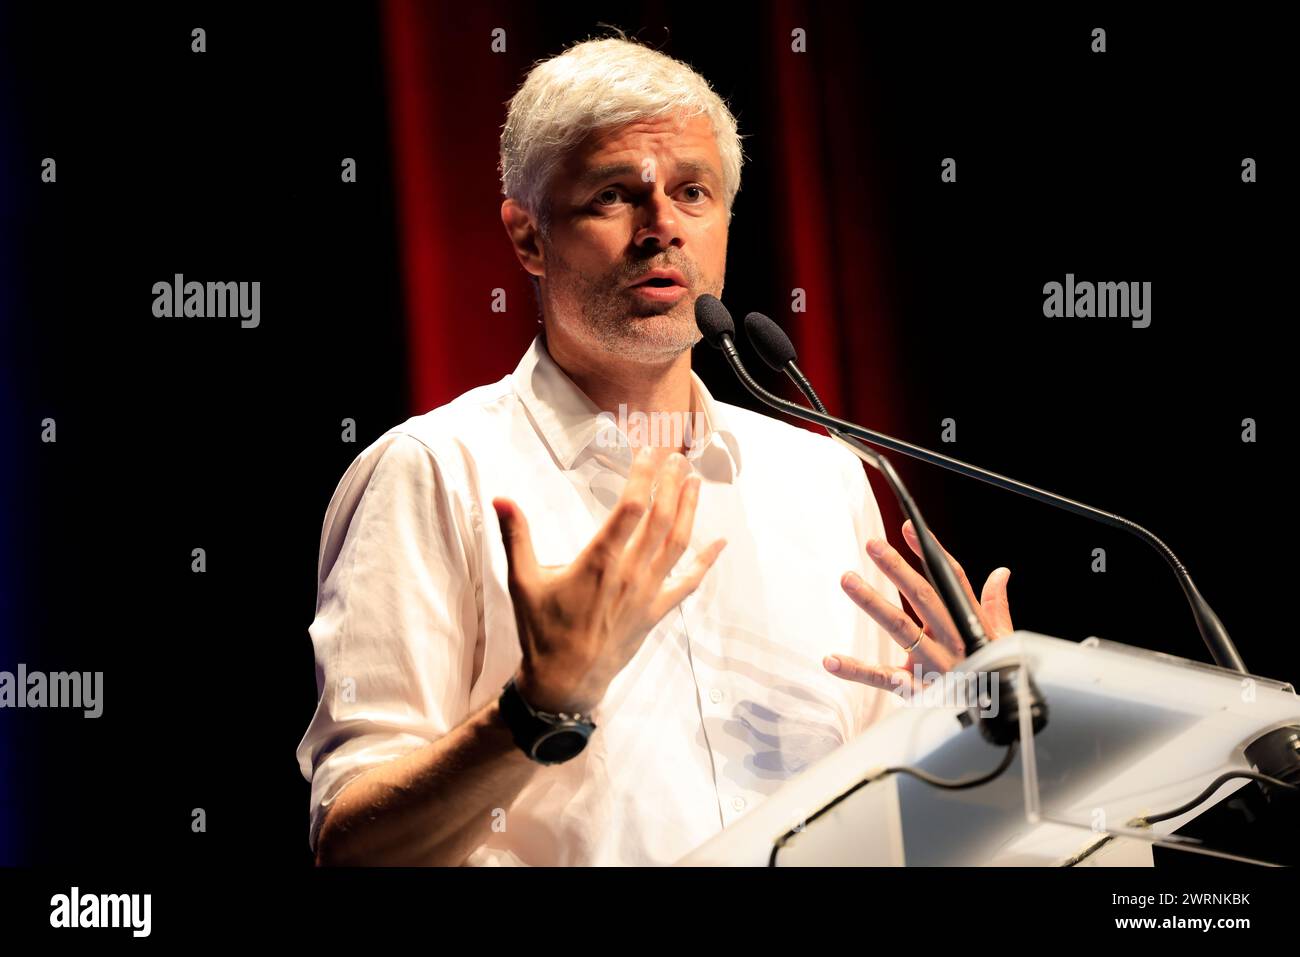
619, 324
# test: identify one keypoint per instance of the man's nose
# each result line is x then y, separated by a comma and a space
659, 222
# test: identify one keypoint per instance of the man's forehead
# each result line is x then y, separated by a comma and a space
696, 166
689, 149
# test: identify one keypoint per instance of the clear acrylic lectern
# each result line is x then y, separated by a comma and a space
1129, 733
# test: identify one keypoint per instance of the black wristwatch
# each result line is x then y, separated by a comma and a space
545, 737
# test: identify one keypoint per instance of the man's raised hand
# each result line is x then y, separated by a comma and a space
580, 624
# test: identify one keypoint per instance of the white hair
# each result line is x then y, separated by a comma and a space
597, 85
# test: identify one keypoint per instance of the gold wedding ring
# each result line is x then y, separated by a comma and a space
919, 635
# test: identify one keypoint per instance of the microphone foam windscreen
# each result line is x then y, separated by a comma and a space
713, 320
769, 341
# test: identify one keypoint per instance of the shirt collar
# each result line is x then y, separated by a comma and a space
570, 423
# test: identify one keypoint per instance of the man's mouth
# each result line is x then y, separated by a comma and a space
660, 279
666, 292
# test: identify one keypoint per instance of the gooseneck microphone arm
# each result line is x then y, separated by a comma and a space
773, 345
868, 455
716, 324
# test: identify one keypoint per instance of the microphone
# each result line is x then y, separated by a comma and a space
775, 349
714, 320
1003, 728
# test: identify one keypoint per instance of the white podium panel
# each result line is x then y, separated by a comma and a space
1129, 733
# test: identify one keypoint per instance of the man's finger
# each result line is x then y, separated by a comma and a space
914, 543
608, 544
672, 595
995, 602
679, 536
925, 601
658, 521
885, 677
897, 623
521, 561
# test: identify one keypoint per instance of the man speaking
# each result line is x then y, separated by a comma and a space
545, 639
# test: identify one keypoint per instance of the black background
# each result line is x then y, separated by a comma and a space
188, 434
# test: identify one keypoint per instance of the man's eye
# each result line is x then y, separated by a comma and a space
612, 195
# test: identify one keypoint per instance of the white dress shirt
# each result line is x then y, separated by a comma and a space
726, 698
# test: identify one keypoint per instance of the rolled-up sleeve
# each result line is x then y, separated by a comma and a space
396, 626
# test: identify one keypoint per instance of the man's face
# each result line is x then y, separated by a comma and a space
640, 197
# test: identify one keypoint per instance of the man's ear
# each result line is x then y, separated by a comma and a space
525, 237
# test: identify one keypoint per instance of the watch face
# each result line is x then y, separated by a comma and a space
560, 745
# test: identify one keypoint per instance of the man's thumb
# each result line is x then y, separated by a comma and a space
520, 558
